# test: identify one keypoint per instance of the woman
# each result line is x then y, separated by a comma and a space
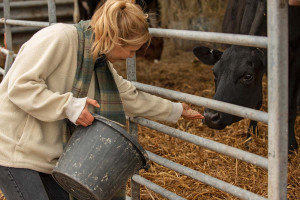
65, 72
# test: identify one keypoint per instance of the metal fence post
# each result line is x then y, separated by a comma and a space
8, 38
51, 11
133, 128
277, 89
8, 61
8, 35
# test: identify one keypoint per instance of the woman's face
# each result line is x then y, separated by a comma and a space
122, 52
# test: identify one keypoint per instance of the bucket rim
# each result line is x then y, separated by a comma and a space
121, 129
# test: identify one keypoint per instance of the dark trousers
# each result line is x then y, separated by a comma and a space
26, 184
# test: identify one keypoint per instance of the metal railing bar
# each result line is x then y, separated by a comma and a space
25, 23
225, 38
205, 143
214, 182
156, 188
5, 51
22, 29
24, 4
2, 72
206, 102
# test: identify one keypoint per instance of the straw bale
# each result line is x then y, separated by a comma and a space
186, 74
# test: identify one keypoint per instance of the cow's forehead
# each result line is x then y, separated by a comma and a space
233, 59
236, 52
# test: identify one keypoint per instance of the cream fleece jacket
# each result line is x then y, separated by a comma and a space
35, 97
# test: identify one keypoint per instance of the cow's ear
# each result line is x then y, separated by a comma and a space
261, 54
206, 55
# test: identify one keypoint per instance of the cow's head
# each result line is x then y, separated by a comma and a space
238, 75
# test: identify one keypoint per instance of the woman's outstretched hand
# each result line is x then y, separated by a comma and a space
86, 118
294, 2
189, 113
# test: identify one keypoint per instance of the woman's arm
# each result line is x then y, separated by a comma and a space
138, 103
37, 59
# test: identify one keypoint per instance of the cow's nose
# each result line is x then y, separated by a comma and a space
212, 116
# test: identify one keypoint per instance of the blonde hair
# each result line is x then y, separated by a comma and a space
119, 22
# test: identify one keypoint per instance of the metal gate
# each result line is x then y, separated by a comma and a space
276, 118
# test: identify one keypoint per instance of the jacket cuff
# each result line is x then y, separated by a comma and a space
176, 113
75, 108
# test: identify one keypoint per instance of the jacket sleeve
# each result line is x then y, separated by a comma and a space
142, 104
36, 60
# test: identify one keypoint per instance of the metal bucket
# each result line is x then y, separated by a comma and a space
98, 160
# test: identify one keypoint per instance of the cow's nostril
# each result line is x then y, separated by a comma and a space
212, 116
215, 116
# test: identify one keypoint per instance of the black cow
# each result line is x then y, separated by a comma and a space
239, 70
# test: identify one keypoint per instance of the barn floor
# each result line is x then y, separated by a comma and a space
184, 73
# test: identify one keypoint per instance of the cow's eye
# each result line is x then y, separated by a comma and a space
247, 77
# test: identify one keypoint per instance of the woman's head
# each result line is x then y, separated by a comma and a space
119, 23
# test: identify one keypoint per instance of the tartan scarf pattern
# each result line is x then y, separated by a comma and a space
106, 91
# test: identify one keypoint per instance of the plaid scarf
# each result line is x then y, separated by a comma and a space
106, 91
